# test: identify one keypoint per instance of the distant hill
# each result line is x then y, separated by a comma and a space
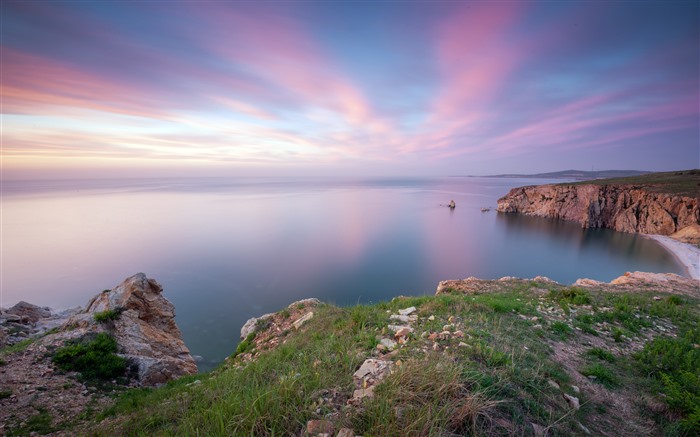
576, 174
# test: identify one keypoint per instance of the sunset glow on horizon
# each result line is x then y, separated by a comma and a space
113, 89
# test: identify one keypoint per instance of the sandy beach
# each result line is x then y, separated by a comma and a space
687, 254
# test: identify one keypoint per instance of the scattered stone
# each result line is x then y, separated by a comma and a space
538, 430
407, 311
315, 427
572, 401
657, 298
370, 373
397, 328
462, 344
458, 334
583, 428
433, 336
345, 432
575, 389
436, 347
28, 312
553, 384
387, 343
448, 327
252, 324
402, 319
431, 318
403, 332
303, 319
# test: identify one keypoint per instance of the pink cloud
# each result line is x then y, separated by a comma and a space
37, 85
475, 56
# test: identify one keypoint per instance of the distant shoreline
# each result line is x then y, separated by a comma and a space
685, 253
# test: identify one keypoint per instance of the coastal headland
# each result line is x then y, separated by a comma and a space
657, 204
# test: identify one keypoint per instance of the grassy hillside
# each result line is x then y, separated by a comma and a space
497, 362
686, 182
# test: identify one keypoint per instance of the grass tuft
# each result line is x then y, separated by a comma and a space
602, 354
602, 374
93, 356
108, 315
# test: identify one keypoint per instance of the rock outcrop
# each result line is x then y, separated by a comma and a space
624, 208
144, 327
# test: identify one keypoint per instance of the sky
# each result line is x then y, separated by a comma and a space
347, 88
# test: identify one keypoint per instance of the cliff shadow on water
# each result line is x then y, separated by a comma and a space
601, 253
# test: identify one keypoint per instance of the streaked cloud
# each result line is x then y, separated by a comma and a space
429, 88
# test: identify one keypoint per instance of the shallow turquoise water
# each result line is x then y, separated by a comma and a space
226, 250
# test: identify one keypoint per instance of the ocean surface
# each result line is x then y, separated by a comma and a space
229, 249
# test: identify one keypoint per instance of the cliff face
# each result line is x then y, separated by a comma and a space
623, 208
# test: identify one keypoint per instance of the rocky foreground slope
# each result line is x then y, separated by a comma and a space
34, 390
620, 205
482, 357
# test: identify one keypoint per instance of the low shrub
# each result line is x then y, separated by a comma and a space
108, 315
602, 374
601, 354
675, 364
94, 357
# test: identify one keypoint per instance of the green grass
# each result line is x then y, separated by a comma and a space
491, 381
108, 315
674, 363
570, 296
686, 182
93, 356
17, 347
602, 374
601, 354
39, 423
562, 329
5, 393
245, 346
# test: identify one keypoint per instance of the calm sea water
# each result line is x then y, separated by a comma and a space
226, 250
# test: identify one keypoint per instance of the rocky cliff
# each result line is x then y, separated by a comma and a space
625, 208
143, 326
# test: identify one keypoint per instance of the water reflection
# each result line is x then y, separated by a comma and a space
226, 250
590, 245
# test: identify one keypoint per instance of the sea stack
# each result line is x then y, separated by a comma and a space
452, 204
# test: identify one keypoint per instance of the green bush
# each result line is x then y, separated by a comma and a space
675, 363
601, 354
108, 315
245, 346
602, 375
93, 357
561, 328
572, 295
